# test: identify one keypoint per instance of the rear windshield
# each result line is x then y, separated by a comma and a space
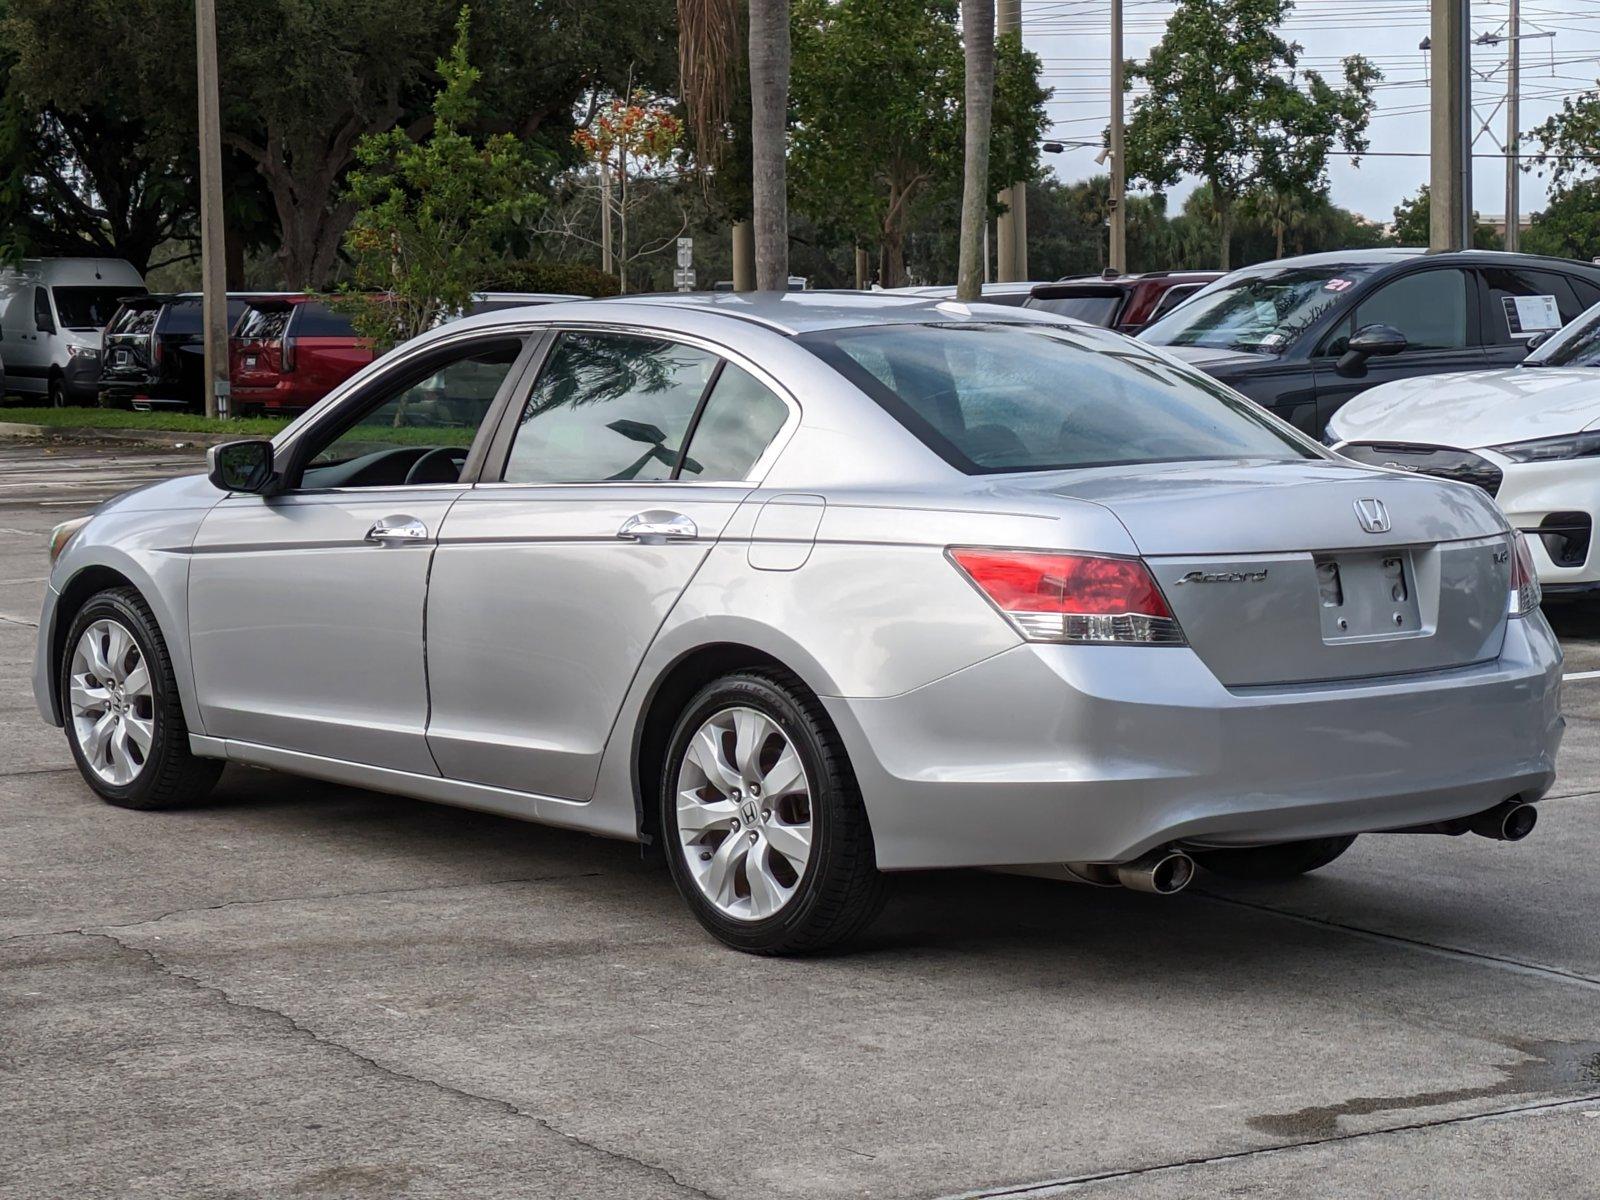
1097, 310
185, 316
1260, 311
263, 324
90, 307
135, 319
996, 397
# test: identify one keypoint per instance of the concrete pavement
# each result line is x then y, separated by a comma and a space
305, 990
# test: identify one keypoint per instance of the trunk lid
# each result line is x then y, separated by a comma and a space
1296, 572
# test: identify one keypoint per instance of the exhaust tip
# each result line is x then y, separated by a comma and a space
1160, 873
1508, 821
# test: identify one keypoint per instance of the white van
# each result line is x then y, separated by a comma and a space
52, 312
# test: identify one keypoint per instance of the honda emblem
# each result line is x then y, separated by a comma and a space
1374, 517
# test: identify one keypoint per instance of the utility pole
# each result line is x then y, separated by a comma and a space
213, 247
1450, 185
1012, 234
605, 216
1118, 257
1513, 129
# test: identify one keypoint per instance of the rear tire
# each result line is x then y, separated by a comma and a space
120, 706
1283, 861
734, 848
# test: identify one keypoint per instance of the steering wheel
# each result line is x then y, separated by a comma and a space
442, 464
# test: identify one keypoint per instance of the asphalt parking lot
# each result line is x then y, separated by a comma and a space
304, 990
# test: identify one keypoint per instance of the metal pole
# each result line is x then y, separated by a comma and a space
1513, 130
1011, 232
1450, 183
213, 248
1118, 258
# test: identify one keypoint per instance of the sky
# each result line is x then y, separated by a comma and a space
1073, 39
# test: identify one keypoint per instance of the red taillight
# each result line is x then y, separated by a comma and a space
155, 351
1525, 591
1073, 597
286, 352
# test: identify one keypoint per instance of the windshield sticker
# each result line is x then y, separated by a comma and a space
1529, 316
1337, 285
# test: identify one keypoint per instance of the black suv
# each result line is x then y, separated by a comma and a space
1303, 335
153, 355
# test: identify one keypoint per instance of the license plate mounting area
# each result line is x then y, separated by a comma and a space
1367, 595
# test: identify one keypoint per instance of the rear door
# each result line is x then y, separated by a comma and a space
621, 467
1437, 310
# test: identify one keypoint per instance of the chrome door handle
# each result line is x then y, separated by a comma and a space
657, 526
397, 531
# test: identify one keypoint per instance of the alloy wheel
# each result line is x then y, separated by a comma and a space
744, 813
112, 702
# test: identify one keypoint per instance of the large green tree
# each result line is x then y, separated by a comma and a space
1412, 224
1569, 145
878, 124
1228, 102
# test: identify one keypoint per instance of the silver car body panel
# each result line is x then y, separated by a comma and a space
508, 660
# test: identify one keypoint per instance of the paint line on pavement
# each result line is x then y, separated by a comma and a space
1575, 676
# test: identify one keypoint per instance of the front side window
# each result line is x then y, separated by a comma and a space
420, 431
992, 398
42, 317
1429, 307
1264, 311
609, 408
1578, 345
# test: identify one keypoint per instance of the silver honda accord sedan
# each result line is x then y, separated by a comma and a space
806, 589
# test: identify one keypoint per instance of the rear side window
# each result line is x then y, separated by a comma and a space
993, 398
1429, 307
181, 316
1172, 297
739, 420
1520, 301
609, 407
318, 320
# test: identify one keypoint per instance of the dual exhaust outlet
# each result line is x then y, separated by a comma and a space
1168, 871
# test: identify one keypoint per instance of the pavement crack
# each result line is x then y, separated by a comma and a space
1072, 1183
1476, 957
162, 967
18, 621
90, 930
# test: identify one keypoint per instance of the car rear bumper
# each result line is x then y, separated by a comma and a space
1050, 754
285, 396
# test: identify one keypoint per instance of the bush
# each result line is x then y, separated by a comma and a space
530, 275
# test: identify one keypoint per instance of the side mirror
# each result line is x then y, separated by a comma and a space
1370, 341
240, 466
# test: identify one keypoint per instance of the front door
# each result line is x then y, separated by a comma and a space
1436, 309
625, 462
306, 608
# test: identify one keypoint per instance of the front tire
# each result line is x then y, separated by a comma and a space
120, 706
58, 392
1283, 861
763, 821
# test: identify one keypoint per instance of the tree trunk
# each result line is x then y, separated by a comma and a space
1279, 226
769, 104
892, 264
977, 32
1224, 209
744, 257
863, 269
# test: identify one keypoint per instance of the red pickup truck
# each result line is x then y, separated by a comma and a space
289, 351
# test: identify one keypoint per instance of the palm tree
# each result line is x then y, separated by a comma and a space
977, 33
769, 105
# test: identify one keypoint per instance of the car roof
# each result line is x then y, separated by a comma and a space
1395, 255
784, 312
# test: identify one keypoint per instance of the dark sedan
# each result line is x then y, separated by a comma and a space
1303, 335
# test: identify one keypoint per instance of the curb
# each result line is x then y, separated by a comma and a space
167, 438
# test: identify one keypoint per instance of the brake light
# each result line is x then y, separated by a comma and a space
1525, 592
286, 352
1077, 598
155, 351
